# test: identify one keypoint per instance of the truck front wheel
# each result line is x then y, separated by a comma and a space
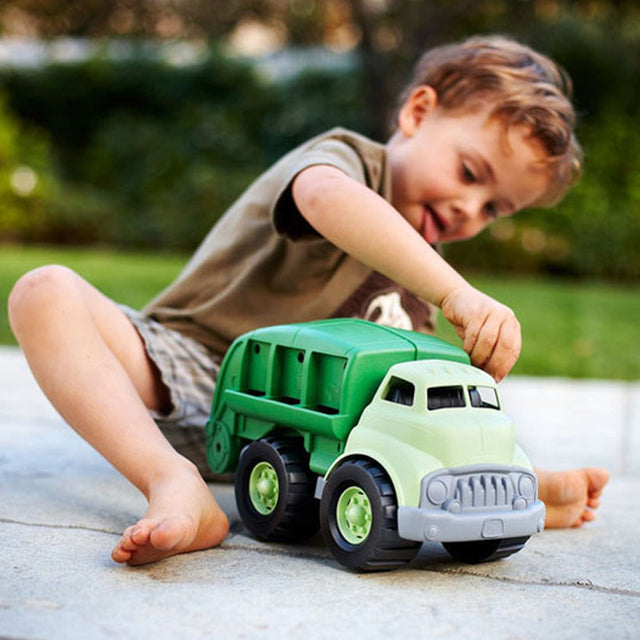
358, 517
274, 490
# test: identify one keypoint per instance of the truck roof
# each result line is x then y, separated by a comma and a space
348, 336
437, 372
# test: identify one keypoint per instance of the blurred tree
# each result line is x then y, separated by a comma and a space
380, 24
133, 18
388, 35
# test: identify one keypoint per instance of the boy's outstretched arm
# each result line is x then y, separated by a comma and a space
363, 224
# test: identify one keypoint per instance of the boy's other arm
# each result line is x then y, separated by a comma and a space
364, 225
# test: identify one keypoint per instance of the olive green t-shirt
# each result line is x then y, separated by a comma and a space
263, 264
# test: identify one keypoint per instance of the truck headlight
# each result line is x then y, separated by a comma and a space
527, 487
437, 491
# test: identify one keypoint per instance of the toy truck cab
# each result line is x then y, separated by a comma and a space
383, 438
438, 431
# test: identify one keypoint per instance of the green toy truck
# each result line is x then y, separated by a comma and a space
382, 438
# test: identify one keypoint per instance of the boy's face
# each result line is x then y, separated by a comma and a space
453, 174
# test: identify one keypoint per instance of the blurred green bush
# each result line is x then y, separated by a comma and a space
27, 182
150, 155
146, 154
138, 153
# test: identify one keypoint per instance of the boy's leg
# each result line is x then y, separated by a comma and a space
91, 363
571, 496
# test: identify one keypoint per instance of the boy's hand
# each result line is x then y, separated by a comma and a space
489, 330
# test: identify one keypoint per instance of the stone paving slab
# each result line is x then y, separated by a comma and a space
62, 507
63, 590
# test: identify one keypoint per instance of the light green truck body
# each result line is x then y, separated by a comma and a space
410, 403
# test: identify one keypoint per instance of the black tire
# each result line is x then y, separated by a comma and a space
477, 551
294, 513
381, 548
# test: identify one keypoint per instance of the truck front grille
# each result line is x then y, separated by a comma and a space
483, 490
464, 490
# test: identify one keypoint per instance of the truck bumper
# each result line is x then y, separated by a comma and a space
439, 525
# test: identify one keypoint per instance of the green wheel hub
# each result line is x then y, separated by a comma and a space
264, 488
223, 449
354, 515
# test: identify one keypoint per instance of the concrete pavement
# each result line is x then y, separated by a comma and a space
62, 508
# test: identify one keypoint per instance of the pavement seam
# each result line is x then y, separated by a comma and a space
46, 525
581, 583
227, 544
275, 551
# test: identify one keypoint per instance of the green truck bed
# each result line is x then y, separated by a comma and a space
313, 377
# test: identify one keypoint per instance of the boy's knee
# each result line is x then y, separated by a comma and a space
36, 289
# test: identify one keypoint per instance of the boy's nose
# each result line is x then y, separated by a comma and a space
463, 211
469, 207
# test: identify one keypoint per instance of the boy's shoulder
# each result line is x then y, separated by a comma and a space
362, 144
355, 149
348, 135
357, 156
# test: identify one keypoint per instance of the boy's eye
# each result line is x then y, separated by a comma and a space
491, 209
468, 175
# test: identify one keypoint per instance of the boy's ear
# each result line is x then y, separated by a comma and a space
422, 101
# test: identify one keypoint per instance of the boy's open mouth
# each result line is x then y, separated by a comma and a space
432, 225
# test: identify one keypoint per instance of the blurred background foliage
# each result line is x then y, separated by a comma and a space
140, 147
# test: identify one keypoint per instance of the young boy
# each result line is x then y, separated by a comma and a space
340, 226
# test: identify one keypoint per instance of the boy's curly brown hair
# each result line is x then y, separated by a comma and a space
520, 86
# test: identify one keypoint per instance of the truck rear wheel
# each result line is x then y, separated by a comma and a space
358, 516
477, 551
274, 490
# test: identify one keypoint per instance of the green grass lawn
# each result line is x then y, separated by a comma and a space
583, 330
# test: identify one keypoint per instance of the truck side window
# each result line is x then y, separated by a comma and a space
400, 391
484, 397
445, 398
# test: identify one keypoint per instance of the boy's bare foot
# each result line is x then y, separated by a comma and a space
571, 496
182, 516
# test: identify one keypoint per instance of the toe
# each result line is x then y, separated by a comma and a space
126, 542
119, 554
593, 503
142, 531
586, 516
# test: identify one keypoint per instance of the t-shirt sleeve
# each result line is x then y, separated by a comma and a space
334, 152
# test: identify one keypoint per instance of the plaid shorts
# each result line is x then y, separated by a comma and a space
189, 370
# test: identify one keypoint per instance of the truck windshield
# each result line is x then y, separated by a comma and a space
445, 398
453, 397
400, 391
484, 397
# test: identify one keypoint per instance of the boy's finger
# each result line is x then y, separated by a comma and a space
499, 365
485, 343
507, 350
470, 335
